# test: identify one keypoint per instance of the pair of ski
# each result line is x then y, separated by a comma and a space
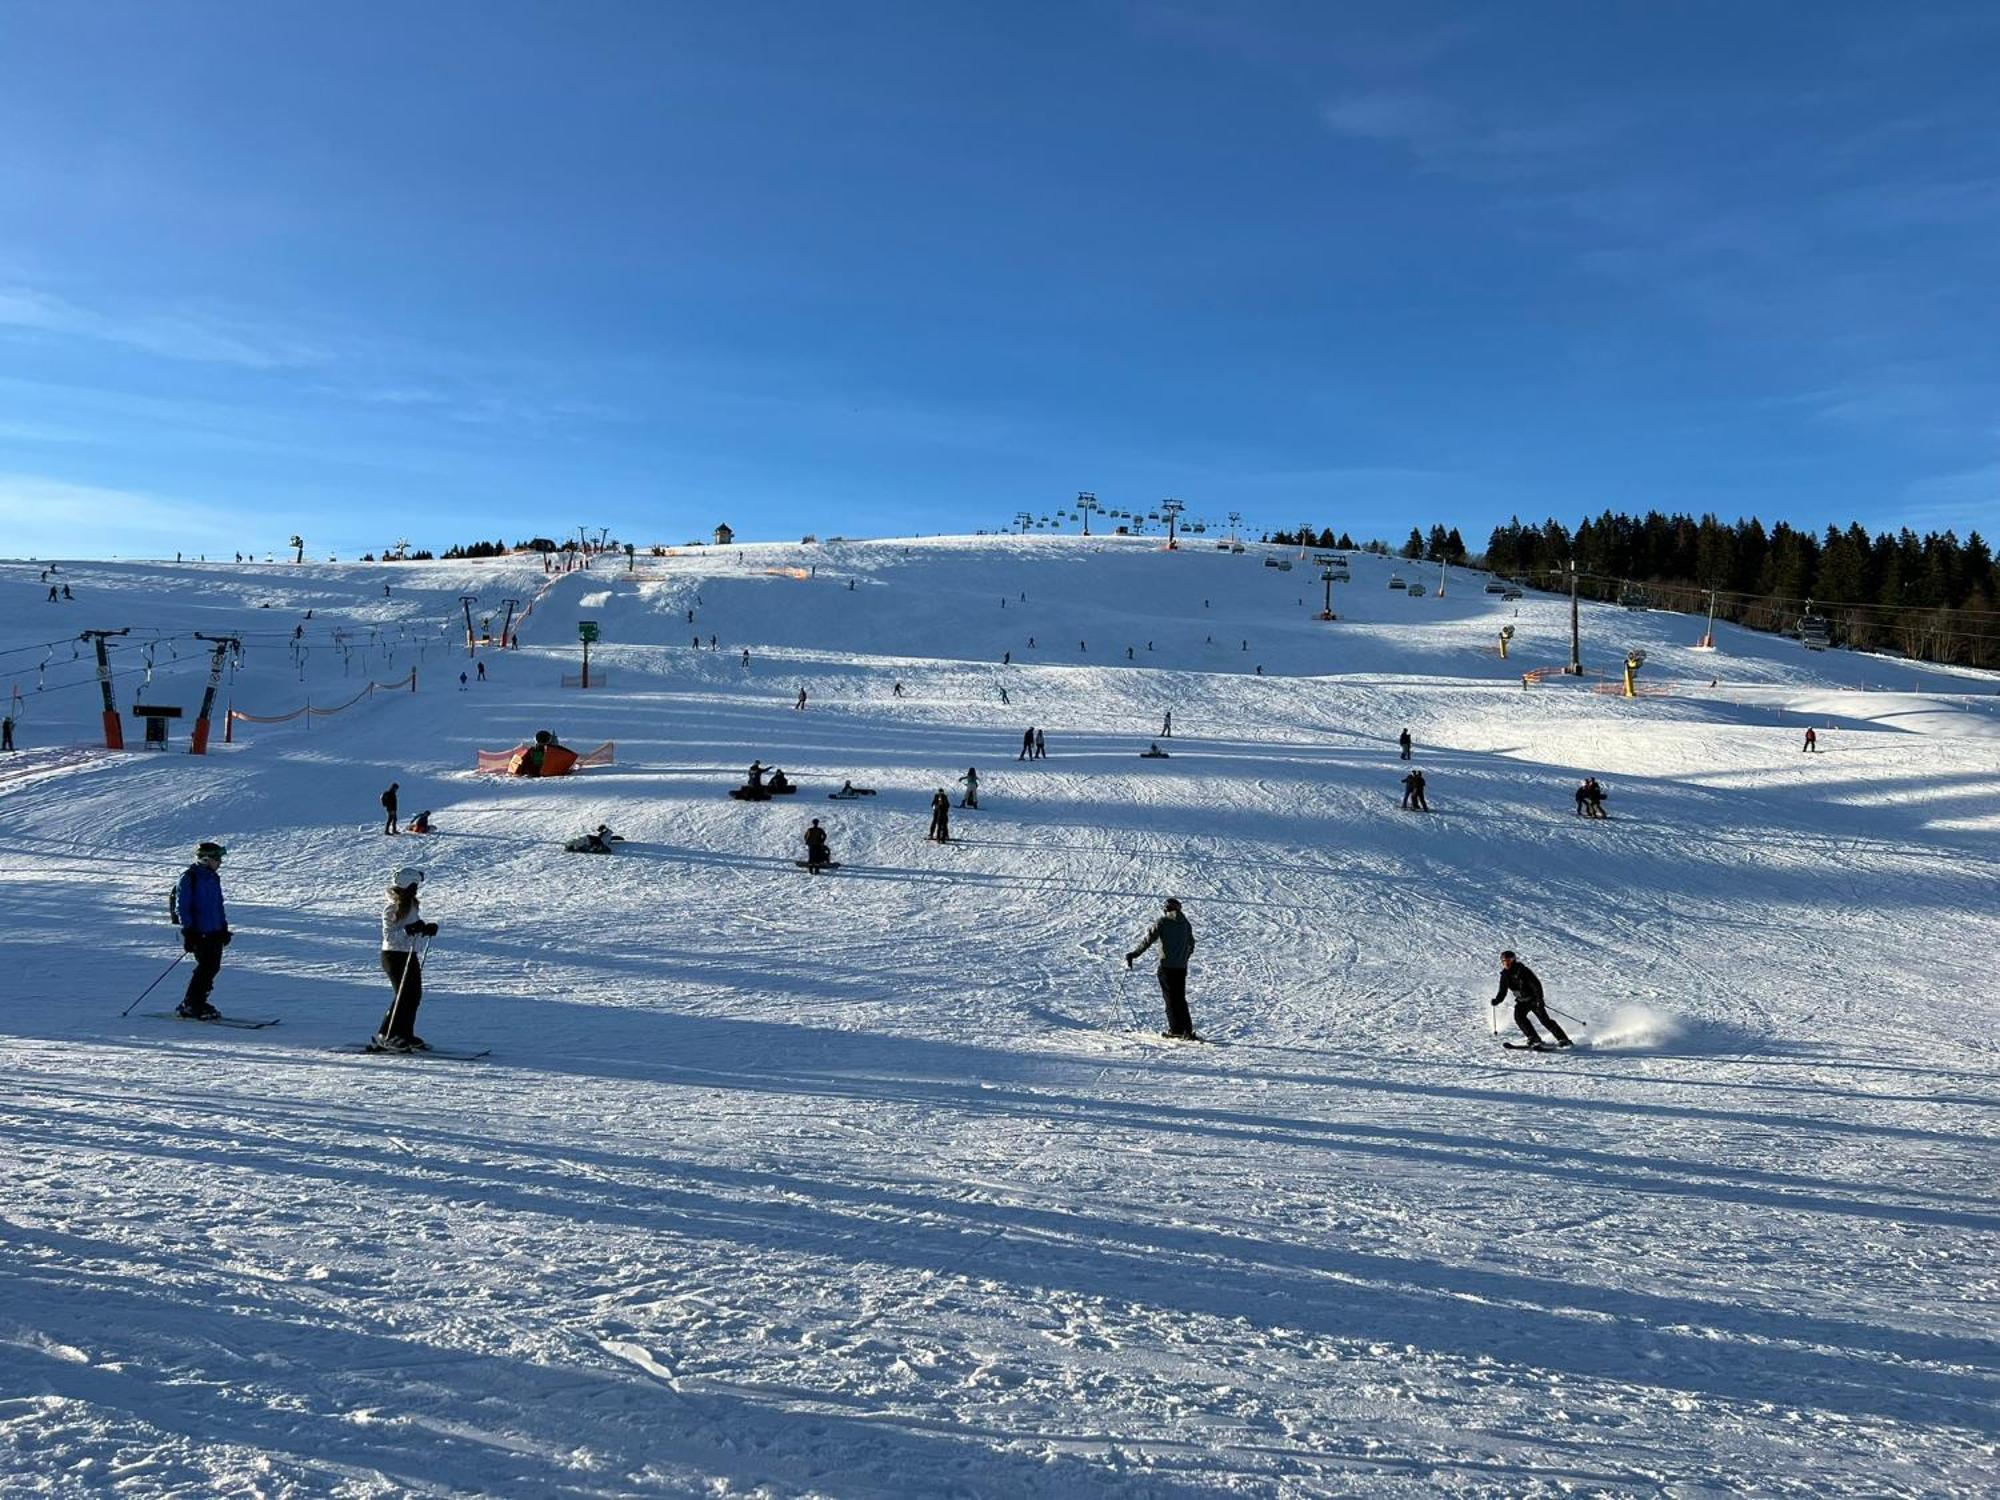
232, 1023
1534, 1047
240, 1023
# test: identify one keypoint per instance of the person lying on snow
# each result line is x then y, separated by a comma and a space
598, 841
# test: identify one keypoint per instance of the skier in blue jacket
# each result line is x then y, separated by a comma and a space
204, 927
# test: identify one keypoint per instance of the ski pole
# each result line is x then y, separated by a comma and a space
156, 983
1567, 1016
1493, 1019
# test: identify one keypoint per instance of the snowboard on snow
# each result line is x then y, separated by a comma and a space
234, 1023
825, 864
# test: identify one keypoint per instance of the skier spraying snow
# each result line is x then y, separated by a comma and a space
1528, 1002
1175, 935
204, 924
404, 931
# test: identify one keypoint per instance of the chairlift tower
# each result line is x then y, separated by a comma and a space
466, 601
1086, 502
1171, 510
114, 733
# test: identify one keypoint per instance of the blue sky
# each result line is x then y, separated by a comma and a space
450, 271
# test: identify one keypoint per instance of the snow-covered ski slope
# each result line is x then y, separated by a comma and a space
878, 1184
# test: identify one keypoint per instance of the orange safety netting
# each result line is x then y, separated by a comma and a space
507, 760
236, 716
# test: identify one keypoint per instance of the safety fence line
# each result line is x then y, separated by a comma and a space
309, 711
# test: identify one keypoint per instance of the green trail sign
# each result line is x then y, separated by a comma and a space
586, 631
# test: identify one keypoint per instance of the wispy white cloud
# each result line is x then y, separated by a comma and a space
1965, 500
1446, 136
170, 334
46, 517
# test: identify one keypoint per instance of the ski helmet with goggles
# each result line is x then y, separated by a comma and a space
208, 849
407, 879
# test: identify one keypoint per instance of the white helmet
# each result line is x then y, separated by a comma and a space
407, 879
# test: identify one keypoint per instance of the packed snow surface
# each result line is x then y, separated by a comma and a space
881, 1183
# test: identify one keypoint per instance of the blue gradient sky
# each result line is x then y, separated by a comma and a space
453, 270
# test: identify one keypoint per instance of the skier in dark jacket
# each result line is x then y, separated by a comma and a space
404, 932
940, 818
817, 857
1175, 935
204, 927
1027, 743
1403, 739
389, 808
1413, 792
1527, 989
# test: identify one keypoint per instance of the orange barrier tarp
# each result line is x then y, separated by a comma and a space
557, 760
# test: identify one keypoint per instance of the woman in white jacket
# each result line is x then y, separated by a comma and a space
403, 933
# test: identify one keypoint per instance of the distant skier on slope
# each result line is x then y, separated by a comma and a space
1167, 726
1413, 793
971, 780
1175, 935
940, 818
1027, 743
404, 931
388, 800
817, 855
204, 923
1403, 740
1812, 741
1517, 977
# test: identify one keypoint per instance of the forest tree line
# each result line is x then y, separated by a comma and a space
1934, 597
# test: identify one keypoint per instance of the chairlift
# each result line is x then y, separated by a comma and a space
1270, 562
1632, 598
1235, 546
1496, 588
1284, 564
1815, 632
1511, 596
1397, 581
1416, 591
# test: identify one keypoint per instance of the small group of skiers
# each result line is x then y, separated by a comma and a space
1413, 792
197, 908
1590, 799
1033, 746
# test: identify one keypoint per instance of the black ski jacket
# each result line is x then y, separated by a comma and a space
1521, 979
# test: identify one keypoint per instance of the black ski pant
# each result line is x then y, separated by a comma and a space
1538, 1009
207, 951
1173, 989
940, 828
406, 972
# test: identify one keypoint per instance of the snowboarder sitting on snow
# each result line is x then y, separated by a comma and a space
1413, 792
1175, 935
1153, 752
849, 789
421, 823
778, 785
1519, 978
598, 841
403, 933
204, 923
816, 851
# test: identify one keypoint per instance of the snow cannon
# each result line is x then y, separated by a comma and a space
1633, 661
